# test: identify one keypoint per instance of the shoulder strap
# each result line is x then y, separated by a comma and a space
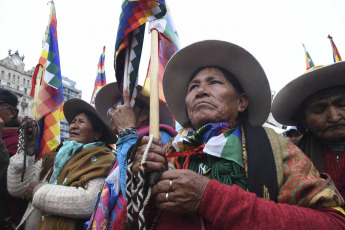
262, 174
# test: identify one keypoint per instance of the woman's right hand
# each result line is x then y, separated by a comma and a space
122, 116
155, 158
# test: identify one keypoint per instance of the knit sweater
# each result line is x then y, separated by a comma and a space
51, 199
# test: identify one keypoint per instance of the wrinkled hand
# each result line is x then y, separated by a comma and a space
155, 158
30, 190
122, 116
32, 133
185, 194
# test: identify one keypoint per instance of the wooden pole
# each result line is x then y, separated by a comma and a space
154, 91
37, 90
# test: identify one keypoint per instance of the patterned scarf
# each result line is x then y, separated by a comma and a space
214, 149
66, 152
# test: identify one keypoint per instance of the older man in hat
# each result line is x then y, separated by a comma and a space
11, 208
315, 103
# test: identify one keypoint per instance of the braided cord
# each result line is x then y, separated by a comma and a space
144, 190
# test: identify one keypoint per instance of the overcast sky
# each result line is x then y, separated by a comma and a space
272, 30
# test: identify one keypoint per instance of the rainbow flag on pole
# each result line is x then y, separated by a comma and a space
169, 43
336, 54
309, 62
50, 95
130, 38
100, 79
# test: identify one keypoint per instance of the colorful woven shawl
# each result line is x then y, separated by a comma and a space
214, 149
66, 152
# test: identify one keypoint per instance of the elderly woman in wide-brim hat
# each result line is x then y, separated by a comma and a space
129, 123
315, 103
231, 172
62, 186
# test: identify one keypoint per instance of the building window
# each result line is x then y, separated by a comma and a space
13, 77
8, 84
18, 87
2, 73
25, 90
18, 78
23, 81
28, 82
9, 76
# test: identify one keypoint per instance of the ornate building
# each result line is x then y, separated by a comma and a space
69, 91
14, 78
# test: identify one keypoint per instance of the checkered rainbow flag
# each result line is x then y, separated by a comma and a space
169, 43
336, 54
130, 34
100, 78
50, 95
309, 61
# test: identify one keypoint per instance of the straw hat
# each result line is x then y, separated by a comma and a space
74, 106
110, 93
289, 99
214, 53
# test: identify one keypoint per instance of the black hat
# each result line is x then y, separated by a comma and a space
8, 97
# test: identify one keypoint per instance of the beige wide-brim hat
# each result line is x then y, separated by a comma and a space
110, 93
214, 53
74, 106
290, 98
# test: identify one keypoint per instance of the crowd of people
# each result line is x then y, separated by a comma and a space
222, 170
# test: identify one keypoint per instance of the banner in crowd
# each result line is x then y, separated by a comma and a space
48, 102
100, 78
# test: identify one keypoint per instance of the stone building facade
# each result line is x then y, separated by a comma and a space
14, 78
69, 91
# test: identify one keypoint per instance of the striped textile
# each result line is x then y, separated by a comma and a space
336, 54
50, 95
131, 34
100, 78
169, 43
309, 61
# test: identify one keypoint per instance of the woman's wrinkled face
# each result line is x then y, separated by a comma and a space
81, 131
212, 98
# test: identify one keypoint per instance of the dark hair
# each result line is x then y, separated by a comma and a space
242, 116
96, 124
298, 115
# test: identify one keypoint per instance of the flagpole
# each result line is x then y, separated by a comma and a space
37, 89
125, 71
40, 70
154, 91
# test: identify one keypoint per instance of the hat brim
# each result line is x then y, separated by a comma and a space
74, 106
214, 53
290, 98
110, 94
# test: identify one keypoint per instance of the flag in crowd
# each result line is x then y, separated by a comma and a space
309, 61
130, 38
336, 54
50, 95
169, 43
100, 78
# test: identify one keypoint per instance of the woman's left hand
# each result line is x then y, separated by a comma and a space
185, 189
30, 190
